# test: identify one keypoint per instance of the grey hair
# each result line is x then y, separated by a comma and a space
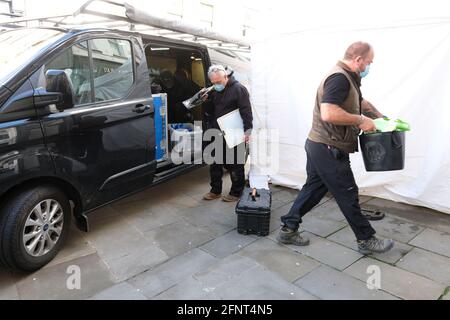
217, 68
356, 49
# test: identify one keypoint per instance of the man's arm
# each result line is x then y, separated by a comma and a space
370, 111
245, 110
334, 114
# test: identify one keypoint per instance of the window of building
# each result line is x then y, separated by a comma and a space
176, 8
206, 13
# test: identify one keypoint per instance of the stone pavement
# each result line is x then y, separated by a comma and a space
167, 243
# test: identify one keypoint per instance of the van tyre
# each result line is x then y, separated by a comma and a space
34, 224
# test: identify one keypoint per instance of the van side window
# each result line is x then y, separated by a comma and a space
75, 62
113, 68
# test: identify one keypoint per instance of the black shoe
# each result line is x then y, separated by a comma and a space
288, 236
375, 245
372, 215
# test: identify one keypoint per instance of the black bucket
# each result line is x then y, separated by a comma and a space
383, 151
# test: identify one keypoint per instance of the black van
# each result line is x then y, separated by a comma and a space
77, 128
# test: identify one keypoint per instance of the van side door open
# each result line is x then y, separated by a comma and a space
103, 139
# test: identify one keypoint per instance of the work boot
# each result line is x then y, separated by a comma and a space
230, 198
289, 236
211, 196
375, 245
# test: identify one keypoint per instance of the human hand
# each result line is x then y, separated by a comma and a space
246, 138
204, 94
367, 125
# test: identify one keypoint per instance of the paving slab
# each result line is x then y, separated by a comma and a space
397, 229
289, 193
364, 199
220, 281
104, 213
286, 195
330, 284
136, 261
396, 281
179, 237
330, 219
415, 214
275, 216
120, 291
227, 244
224, 270
146, 216
51, 283
217, 206
328, 210
427, 264
213, 220
8, 289
167, 243
346, 237
276, 188
167, 192
261, 284
203, 284
288, 264
188, 289
325, 251
446, 294
115, 238
76, 246
432, 240
321, 226
168, 274
277, 204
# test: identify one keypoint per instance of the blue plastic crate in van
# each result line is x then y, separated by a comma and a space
181, 126
160, 105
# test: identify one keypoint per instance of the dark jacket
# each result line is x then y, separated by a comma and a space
344, 137
234, 96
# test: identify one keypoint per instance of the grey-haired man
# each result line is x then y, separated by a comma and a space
228, 95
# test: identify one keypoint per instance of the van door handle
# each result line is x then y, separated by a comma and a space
140, 108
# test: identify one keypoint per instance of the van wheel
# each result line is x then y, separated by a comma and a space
33, 227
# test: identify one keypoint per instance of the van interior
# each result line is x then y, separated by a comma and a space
178, 73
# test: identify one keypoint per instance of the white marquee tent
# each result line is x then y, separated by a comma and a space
409, 79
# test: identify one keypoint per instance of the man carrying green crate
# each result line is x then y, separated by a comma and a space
339, 115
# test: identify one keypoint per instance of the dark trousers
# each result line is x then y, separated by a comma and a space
329, 169
233, 160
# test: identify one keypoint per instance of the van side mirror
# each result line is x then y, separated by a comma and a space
58, 91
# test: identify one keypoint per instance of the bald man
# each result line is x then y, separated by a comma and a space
339, 114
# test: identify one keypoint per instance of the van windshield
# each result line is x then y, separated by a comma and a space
19, 46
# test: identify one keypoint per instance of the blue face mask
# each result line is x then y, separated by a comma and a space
365, 72
219, 87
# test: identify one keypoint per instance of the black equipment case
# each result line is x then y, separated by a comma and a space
253, 212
